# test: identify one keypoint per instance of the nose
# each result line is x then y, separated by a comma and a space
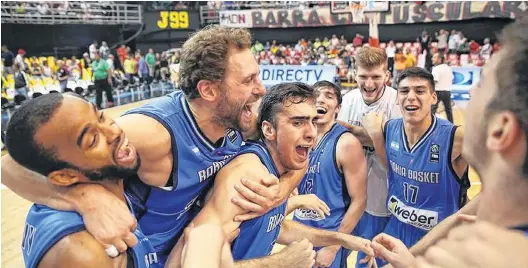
369, 83
259, 89
411, 95
311, 132
111, 131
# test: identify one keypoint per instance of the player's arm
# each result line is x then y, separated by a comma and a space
80, 250
441, 230
459, 164
308, 201
360, 133
292, 231
374, 124
351, 160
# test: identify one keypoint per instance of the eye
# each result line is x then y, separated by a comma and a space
101, 117
94, 141
297, 123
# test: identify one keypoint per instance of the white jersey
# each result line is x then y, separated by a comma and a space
353, 108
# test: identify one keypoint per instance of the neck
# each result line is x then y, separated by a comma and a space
272, 148
322, 129
415, 131
115, 187
203, 115
503, 199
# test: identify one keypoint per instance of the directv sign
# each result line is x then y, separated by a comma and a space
464, 78
310, 74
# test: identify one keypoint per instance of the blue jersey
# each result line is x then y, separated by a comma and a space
423, 186
46, 226
257, 236
164, 212
324, 179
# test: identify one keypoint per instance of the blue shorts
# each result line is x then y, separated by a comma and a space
408, 234
368, 227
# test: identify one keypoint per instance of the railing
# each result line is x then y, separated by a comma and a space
71, 12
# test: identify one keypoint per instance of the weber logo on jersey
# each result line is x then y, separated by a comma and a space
420, 218
434, 153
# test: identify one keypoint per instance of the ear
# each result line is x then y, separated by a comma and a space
66, 177
503, 132
208, 90
338, 108
435, 97
269, 131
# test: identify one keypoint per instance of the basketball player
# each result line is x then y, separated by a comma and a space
43, 137
495, 144
196, 129
372, 95
287, 130
427, 175
337, 174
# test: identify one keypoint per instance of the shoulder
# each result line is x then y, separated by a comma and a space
347, 141
80, 250
242, 165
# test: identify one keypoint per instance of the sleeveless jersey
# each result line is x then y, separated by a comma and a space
164, 212
352, 111
423, 186
324, 179
257, 236
46, 226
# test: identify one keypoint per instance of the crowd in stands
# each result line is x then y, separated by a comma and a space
338, 51
37, 9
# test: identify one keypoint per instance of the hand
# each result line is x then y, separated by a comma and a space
257, 198
358, 244
372, 123
106, 217
295, 192
480, 244
298, 254
312, 202
325, 256
393, 250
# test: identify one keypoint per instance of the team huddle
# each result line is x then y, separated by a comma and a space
367, 171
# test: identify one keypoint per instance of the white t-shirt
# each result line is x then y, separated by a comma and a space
443, 76
391, 51
353, 108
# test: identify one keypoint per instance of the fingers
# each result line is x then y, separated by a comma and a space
324, 207
269, 180
312, 257
247, 205
320, 212
246, 217
130, 239
382, 251
466, 218
231, 236
252, 193
120, 246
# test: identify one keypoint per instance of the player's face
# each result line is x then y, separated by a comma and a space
415, 97
474, 148
327, 106
88, 140
295, 134
252, 132
239, 90
371, 82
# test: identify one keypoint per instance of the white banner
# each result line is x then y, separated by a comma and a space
310, 74
236, 18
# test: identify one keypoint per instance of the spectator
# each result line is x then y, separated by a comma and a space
164, 67
151, 62
92, 49
358, 40
425, 41
474, 47
46, 70
410, 59
443, 77
104, 50
399, 64
390, 50
8, 58
21, 81
20, 59
486, 49
102, 81
442, 41
454, 39
130, 68
62, 75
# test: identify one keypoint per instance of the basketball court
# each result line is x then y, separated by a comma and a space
14, 208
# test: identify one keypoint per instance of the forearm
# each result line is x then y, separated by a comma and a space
271, 261
288, 182
351, 217
443, 228
379, 146
293, 204
292, 231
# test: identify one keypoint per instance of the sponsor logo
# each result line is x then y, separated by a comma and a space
395, 145
307, 215
420, 218
231, 135
463, 77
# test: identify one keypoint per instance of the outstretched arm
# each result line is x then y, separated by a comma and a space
375, 125
359, 132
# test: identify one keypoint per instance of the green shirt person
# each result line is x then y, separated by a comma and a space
100, 69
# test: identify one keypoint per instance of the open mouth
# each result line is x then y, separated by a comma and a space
302, 150
411, 108
125, 154
246, 111
321, 110
369, 90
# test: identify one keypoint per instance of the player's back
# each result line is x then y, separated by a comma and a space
258, 236
164, 212
353, 108
324, 179
45, 226
424, 189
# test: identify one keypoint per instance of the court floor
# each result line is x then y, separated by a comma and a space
14, 208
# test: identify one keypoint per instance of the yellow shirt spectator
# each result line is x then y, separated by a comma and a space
410, 61
130, 66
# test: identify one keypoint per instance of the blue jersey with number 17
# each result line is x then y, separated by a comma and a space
423, 186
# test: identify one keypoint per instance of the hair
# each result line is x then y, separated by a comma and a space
281, 95
370, 57
416, 72
203, 55
511, 75
327, 84
23, 125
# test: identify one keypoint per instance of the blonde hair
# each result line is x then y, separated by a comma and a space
370, 57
